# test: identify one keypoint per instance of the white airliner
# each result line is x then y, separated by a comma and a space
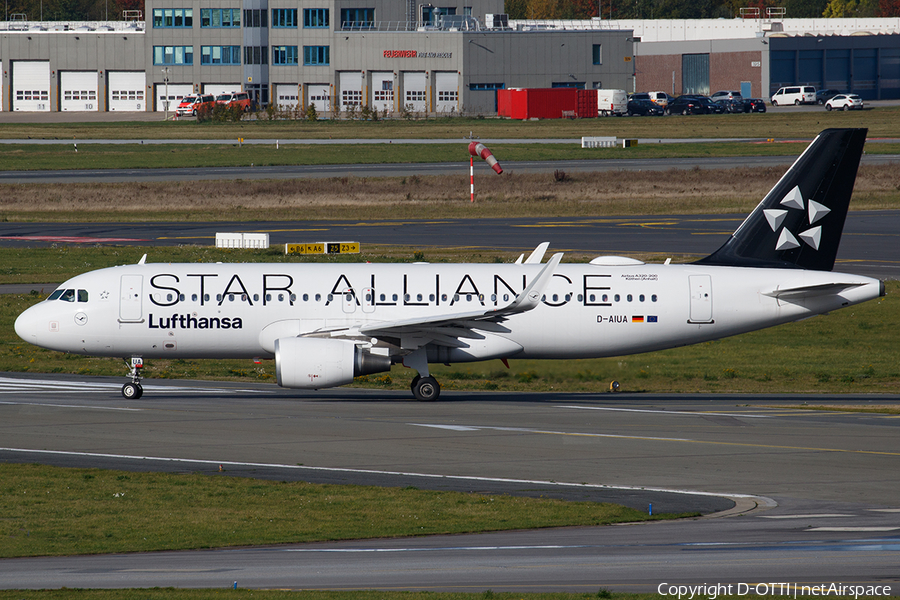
325, 324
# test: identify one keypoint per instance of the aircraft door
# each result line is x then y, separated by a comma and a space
348, 300
368, 300
130, 310
701, 299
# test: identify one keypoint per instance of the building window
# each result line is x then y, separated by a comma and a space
255, 18
173, 55
475, 87
220, 55
256, 55
284, 55
173, 17
284, 17
316, 55
220, 17
597, 54
578, 85
357, 18
315, 18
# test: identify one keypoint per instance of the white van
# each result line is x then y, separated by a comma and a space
661, 98
612, 102
797, 94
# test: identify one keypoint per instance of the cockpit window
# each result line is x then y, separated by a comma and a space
82, 295
68, 296
56, 294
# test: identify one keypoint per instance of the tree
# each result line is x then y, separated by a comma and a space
837, 9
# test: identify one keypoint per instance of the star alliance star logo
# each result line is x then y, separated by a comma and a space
794, 200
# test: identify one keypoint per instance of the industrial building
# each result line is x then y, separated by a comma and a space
336, 55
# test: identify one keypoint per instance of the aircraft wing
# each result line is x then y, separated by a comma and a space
446, 329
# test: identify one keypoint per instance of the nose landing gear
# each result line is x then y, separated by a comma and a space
133, 390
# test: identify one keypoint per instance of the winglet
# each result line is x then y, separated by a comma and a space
531, 297
537, 255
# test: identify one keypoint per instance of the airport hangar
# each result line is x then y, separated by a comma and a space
336, 55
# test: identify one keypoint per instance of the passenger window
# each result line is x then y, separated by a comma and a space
193, 297
641, 297
82, 295
318, 297
293, 298
306, 297
629, 297
616, 297
68, 296
653, 298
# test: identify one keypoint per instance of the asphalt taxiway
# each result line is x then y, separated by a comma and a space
814, 493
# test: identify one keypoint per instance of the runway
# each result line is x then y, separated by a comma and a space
816, 490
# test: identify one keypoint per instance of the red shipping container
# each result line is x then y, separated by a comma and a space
540, 103
587, 104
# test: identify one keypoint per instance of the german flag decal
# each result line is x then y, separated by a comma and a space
637, 319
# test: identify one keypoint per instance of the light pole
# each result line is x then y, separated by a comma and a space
166, 100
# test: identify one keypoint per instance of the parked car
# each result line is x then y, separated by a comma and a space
640, 96
731, 101
795, 94
754, 105
644, 107
693, 105
230, 99
823, 96
661, 98
845, 102
190, 104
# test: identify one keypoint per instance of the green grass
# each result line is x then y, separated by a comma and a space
850, 350
788, 124
32, 157
51, 511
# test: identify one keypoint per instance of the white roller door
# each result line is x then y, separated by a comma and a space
319, 95
287, 96
176, 92
382, 91
446, 92
351, 89
217, 89
126, 90
78, 91
415, 98
31, 85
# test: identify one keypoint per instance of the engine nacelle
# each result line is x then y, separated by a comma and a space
314, 363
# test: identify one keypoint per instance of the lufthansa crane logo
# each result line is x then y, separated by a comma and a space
812, 237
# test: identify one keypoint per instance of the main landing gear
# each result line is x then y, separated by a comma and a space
133, 390
424, 387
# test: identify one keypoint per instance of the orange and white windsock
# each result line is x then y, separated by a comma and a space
479, 149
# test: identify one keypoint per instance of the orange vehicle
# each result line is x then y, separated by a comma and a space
190, 104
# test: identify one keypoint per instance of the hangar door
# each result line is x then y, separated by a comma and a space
415, 97
287, 96
126, 90
31, 85
351, 89
176, 92
78, 90
383, 91
695, 74
446, 85
319, 95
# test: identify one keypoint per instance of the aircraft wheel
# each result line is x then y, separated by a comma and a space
412, 384
426, 389
132, 391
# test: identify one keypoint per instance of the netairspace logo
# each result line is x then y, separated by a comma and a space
711, 591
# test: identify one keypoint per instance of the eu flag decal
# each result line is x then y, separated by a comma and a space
651, 318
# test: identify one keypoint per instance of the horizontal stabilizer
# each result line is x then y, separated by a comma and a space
811, 291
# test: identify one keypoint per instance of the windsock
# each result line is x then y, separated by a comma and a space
479, 149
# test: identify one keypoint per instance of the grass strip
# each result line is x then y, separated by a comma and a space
847, 351
781, 124
52, 511
34, 157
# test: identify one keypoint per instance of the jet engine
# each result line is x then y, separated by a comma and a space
314, 363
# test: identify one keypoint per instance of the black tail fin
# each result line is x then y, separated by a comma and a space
799, 222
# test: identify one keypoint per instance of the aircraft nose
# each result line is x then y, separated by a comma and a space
27, 325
